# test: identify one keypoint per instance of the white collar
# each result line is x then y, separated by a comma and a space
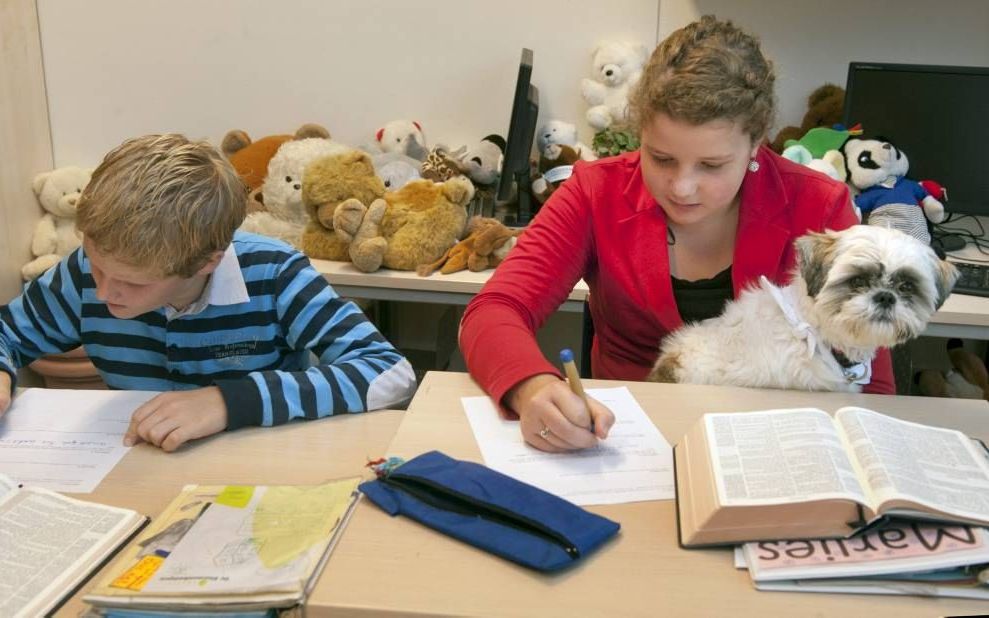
786, 298
225, 286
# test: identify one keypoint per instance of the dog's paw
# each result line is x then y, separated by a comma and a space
666, 369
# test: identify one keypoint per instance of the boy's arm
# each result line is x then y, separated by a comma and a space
358, 369
44, 319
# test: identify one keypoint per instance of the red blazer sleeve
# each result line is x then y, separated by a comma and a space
498, 330
883, 382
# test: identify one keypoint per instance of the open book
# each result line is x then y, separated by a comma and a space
50, 544
798, 474
234, 547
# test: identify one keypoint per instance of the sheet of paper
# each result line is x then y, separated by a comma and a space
66, 440
635, 462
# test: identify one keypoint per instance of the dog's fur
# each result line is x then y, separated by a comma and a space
859, 289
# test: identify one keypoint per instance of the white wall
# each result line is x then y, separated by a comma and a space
813, 42
119, 68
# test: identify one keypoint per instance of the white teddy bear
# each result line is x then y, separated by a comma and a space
55, 235
404, 136
284, 217
617, 68
563, 134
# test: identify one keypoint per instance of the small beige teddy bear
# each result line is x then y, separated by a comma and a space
55, 235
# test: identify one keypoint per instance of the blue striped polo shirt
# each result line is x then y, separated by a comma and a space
256, 347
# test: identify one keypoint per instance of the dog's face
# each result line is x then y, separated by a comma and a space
870, 286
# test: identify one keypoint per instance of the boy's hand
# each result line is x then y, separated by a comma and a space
4, 391
171, 419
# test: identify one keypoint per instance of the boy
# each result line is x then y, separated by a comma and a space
165, 296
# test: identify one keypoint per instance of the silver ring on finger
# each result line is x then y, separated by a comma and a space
544, 432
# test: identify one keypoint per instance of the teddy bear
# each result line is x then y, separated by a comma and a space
404, 136
831, 164
555, 165
284, 216
405, 228
329, 182
354, 219
877, 171
481, 162
564, 134
250, 158
825, 108
55, 234
487, 243
617, 68
395, 169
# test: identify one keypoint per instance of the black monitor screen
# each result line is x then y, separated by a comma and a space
939, 116
518, 149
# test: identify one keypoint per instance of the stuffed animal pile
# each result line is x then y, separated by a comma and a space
55, 234
284, 216
352, 216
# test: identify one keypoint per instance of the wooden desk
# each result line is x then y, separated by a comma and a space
387, 566
454, 289
147, 478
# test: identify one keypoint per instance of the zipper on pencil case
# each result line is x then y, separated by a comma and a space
446, 499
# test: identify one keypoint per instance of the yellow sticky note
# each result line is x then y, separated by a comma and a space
236, 496
138, 575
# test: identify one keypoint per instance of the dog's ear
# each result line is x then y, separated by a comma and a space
945, 276
815, 254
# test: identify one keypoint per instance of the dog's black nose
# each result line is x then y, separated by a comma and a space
884, 299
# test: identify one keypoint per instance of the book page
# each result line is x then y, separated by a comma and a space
779, 456
938, 468
47, 543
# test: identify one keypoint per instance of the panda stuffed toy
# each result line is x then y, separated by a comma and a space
877, 171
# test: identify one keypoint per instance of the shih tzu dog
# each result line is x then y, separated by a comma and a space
852, 292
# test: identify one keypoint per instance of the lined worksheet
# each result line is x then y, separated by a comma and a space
66, 440
635, 462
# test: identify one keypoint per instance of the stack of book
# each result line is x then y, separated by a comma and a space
229, 549
902, 558
896, 507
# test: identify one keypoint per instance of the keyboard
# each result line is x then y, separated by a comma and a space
973, 279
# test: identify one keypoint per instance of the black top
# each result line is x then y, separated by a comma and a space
702, 299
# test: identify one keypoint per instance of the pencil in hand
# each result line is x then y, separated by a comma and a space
573, 379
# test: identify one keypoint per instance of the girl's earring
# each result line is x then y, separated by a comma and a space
753, 166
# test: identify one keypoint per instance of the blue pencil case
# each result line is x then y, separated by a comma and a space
490, 510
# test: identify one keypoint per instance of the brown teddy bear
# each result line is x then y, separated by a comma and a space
395, 229
487, 243
327, 183
825, 108
250, 158
555, 166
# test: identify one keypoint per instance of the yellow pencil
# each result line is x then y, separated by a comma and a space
573, 379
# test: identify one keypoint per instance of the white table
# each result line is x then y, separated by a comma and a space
454, 289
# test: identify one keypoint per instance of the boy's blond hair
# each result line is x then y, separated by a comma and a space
162, 202
707, 70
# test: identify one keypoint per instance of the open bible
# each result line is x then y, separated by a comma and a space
50, 544
799, 474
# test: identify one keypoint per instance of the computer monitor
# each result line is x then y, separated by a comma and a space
518, 148
938, 115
